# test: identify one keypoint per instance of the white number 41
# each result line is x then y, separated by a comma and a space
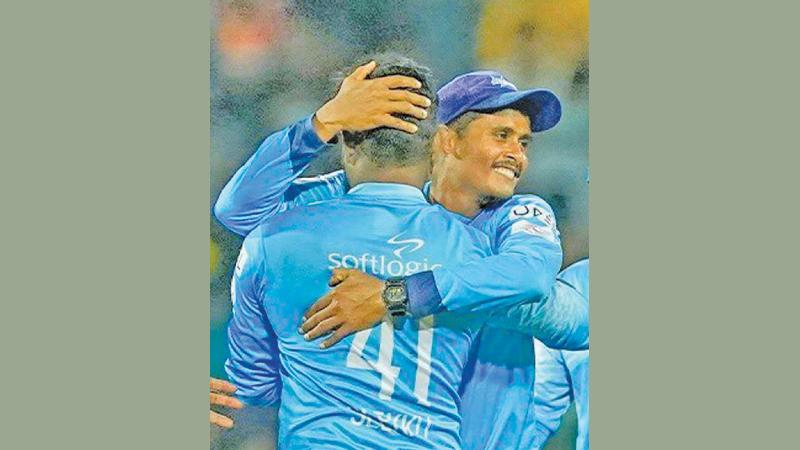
384, 363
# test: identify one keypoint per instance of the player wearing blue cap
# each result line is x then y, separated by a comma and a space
479, 157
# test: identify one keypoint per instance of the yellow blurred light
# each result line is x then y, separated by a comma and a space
552, 33
214, 255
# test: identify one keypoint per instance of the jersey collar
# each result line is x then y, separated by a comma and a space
389, 191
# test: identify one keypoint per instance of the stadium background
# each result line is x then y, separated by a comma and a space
272, 62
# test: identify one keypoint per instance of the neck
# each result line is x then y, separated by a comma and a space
412, 175
455, 198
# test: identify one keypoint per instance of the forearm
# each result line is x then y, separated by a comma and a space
493, 282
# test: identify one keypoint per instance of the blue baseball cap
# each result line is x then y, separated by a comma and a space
487, 90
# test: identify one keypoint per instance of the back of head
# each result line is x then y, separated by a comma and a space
389, 147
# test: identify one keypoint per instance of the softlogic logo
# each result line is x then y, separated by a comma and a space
381, 265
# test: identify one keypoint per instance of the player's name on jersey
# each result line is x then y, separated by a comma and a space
379, 265
409, 425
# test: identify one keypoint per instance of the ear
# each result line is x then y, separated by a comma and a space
443, 141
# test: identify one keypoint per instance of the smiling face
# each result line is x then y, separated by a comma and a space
490, 154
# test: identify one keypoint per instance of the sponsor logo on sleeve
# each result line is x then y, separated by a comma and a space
537, 213
527, 227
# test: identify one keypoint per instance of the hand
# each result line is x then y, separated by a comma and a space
355, 304
363, 104
219, 396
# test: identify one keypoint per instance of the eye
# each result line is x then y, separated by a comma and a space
502, 134
524, 143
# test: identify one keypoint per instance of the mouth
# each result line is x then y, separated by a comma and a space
508, 170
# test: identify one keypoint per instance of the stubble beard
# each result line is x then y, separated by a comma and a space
485, 200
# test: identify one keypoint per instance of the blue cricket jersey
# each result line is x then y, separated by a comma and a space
498, 385
562, 376
392, 386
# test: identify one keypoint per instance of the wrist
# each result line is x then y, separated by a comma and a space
325, 127
395, 297
423, 294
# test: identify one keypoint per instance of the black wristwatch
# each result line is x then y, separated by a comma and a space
395, 297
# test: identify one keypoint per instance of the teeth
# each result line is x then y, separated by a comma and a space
505, 172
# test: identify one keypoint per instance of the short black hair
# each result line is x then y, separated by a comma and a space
388, 146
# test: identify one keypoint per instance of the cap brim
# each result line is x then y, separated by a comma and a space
540, 105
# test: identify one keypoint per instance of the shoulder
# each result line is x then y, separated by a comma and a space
335, 178
251, 253
303, 213
577, 275
333, 184
526, 213
456, 222
436, 221
576, 269
521, 206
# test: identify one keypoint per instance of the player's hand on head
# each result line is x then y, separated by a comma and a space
364, 104
354, 304
221, 391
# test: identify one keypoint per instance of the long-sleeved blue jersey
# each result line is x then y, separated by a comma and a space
392, 386
527, 255
562, 376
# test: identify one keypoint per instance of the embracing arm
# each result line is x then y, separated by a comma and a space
268, 184
528, 256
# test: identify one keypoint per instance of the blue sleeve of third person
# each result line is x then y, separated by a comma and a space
560, 321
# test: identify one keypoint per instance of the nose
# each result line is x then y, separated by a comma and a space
517, 154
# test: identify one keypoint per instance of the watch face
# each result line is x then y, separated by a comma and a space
395, 294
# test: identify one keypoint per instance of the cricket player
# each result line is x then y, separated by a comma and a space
562, 377
392, 386
479, 156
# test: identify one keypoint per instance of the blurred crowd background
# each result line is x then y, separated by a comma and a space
272, 62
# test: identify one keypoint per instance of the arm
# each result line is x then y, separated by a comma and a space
257, 190
267, 183
528, 256
552, 392
253, 365
560, 321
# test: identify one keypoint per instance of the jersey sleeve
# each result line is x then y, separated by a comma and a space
552, 392
268, 182
253, 365
523, 269
560, 321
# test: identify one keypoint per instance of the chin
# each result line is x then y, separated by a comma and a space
499, 191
